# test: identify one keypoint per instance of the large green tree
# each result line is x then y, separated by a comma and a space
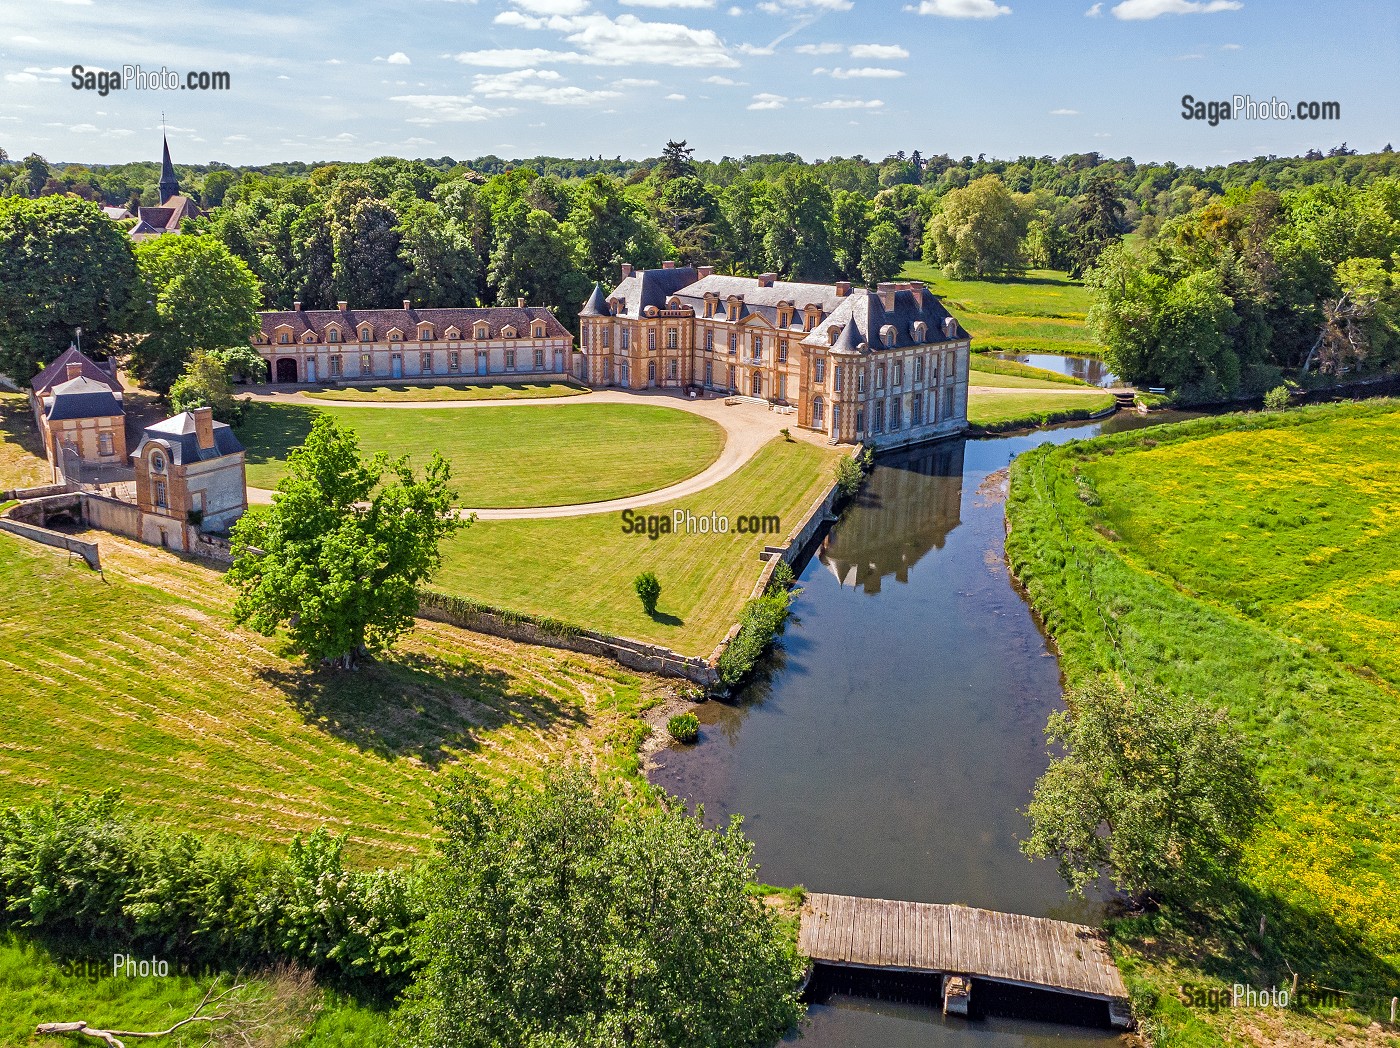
536, 258
197, 296
442, 267
1155, 791
63, 265
850, 224
568, 917
977, 231
612, 229
367, 272
338, 558
1096, 222
795, 224
882, 256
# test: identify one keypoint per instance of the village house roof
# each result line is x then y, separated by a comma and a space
913, 317
179, 434
381, 321
57, 372
81, 397
156, 221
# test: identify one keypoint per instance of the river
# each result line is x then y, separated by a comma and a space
889, 743
1087, 369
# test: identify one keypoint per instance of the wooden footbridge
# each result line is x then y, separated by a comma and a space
962, 944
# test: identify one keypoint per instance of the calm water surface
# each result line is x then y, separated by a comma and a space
891, 741
1088, 369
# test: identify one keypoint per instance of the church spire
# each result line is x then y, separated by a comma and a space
169, 186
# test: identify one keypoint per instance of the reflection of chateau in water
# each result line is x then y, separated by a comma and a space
918, 496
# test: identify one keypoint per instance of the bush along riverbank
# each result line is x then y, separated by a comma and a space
1245, 562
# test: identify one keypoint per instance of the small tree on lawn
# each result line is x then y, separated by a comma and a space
648, 588
567, 916
1153, 790
338, 559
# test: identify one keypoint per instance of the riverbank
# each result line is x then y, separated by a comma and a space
1246, 560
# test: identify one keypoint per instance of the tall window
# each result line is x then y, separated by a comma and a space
709, 372
454, 360
425, 362
651, 371
510, 360
896, 412
162, 499
860, 380
672, 369
916, 413
539, 360
918, 369
607, 338
819, 369
626, 339
782, 351
947, 401
880, 376
733, 342
879, 426
757, 348
333, 335
337, 365
104, 444
673, 338
366, 363
836, 378
818, 413
897, 373
709, 340
651, 340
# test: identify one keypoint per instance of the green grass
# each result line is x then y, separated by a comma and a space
139, 681
464, 391
22, 462
39, 986
1248, 561
580, 569
1015, 409
537, 455
994, 371
1041, 311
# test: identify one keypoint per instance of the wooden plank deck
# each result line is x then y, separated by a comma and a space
928, 937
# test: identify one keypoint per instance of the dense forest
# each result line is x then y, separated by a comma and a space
1233, 275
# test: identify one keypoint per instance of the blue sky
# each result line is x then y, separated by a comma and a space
344, 80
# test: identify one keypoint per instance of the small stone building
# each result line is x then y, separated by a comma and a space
190, 478
78, 407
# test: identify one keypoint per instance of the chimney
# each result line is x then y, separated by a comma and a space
296, 306
767, 279
74, 370
341, 306
918, 287
204, 427
626, 270
704, 271
407, 304
668, 264
520, 302
843, 288
885, 289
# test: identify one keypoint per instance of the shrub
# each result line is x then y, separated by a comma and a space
1277, 399
851, 471
684, 727
761, 620
783, 576
787, 434
648, 588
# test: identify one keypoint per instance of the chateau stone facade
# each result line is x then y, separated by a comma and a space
888, 366
348, 345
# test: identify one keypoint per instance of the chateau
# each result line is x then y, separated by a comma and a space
888, 366
344, 344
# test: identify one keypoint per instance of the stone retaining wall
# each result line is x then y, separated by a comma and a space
34, 533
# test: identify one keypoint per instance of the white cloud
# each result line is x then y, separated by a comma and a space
21, 78
236, 138
1102, 134
850, 103
516, 57
553, 7
673, 97
782, 7
961, 8
667, 3
1064, 112
1094, 12
283, 76
418, 142
1141, 10
437, 109
1188, 58
83, 129
864, 73
755, 49
768, 101
878, 52
735, 12
536, 85
819, 49
723, 81
397, 58
632, 81
601, 40
1232, 47
333, 61
117, 132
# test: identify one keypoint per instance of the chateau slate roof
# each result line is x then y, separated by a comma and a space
597, 304
57, 372
82, 398
406, 320
178, 432
764, 300
864, 316
650, 287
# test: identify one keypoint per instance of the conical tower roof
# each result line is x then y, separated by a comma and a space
169, 185
597, 304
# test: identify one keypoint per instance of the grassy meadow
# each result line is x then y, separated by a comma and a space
1015, 408
536, 455
22, 462
407, 394
1249, 561
580, 569
138, 680
1040, 311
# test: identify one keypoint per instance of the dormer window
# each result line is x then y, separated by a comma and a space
366, 335
309, 337
452, 334
425, 333
395, 335
888, 335
332, 334
482, 330
537, 330
919, 332
508, 332
284, 338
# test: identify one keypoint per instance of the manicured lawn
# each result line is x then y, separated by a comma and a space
580, 570
465, 391
139, 681
536, 455
987, 378
1249, 561
987, 367
1042, 310
22, 462
1012, 408
38, 986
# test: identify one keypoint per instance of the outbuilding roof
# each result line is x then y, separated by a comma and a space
381, 321
179, 434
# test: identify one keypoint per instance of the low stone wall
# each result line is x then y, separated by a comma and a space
634, 654
34, 533
36, 493
212, 547
109, 514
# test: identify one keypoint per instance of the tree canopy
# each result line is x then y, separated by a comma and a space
568, 916
338, 558
977, 231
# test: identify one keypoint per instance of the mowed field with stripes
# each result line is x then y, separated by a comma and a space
141, 682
